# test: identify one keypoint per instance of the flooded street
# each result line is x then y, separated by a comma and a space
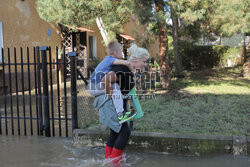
55, 152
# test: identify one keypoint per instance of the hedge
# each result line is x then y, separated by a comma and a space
196, 56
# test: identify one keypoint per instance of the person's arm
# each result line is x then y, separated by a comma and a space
122, 62
107, 81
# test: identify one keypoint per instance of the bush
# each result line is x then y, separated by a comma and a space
231, 57
196, 57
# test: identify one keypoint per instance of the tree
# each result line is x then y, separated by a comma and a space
190, 15
153, 13
163, 39
177, 58
225, 17
215, 16
231, 16
77, 13
222, 18
156, 13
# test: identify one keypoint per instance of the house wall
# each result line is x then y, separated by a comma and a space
101, 48
23, 27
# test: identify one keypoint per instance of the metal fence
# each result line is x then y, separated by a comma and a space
39, 90
35, 92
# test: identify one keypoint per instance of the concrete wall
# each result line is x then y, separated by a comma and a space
194, 145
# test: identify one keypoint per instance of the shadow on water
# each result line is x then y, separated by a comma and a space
47, 152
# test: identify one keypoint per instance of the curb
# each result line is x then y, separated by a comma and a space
169, 143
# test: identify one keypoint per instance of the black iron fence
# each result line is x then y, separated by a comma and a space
35, 91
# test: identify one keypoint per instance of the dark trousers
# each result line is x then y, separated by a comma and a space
119, 140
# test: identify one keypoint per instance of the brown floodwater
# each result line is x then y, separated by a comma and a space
21, 151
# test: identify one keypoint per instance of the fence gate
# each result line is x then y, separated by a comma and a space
36, 96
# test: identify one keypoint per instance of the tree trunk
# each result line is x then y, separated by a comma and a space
164, 59
246, 65
244, 49
177, 58
102, 30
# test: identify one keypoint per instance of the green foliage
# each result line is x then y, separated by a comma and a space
84, 12
143, 36
233, 55
67, 12
191, 30
146, 12
194, 10
143, 9
195, 56
216, 106
232, 16
195, 16
220, 17
147, 15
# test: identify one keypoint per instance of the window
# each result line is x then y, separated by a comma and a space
92, 47
1, 41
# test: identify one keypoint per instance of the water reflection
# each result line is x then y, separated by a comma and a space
47, 152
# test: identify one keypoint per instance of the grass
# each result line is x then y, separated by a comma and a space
206, 102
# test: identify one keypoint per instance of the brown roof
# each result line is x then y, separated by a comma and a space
127, 37
80, 28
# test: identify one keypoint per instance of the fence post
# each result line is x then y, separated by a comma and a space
44, 49
72, 56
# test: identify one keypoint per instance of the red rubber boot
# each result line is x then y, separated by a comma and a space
108, 152
116, 157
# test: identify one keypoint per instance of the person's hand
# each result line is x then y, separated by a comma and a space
133, 65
